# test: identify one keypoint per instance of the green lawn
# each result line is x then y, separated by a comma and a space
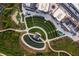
48, 53
66, 44
63, 54
39, 31
32, 43
5, 17
41, 22
18, 17
9, 43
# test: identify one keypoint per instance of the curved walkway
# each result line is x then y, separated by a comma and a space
57, 50
35, 40
47, 40
14, 17
31, 46
40, 29
13, 30
1, 54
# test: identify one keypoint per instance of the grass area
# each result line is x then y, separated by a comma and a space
32, 43
5, 17
63, 54
22, 17
18, 17
41, 22
34, 30
9, 43
66, 44
48, 52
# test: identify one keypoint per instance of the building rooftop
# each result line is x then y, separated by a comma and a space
59, 14
43, 7
53, 7
76, 5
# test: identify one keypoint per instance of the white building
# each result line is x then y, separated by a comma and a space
76, 5
43, 7
53, 7
59, 14
27, 4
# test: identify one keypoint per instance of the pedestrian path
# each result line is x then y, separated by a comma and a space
47, 40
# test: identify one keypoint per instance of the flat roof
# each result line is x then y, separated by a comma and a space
43, 7
27, 4
59, 14
53, 9
76, 5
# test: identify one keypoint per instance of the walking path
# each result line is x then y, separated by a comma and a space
57, 50
48, 17
22, 39
1, 54
57, 38
40, 29
48, 41
14, 17
44, 41
13, 30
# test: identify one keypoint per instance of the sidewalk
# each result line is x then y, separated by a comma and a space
1, 54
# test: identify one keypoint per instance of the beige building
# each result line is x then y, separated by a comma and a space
59, 14
53, 7
76, 5
43, 7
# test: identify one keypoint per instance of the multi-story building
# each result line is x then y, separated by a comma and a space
30, 6
43, 7
73, 12
64, 14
